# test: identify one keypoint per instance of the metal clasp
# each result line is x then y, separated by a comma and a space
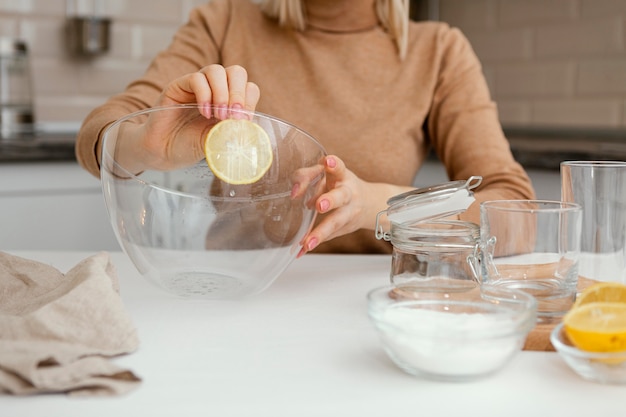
380, 233
417, 196
473, 182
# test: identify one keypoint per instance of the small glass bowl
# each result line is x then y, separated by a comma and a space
451, 335
602, 367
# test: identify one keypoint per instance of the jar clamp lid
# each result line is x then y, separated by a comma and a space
434, 202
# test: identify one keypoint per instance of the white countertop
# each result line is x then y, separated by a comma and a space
304, 347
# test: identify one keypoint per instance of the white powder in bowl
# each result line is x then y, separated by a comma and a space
448, 345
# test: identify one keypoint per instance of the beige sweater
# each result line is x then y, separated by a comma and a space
350, 91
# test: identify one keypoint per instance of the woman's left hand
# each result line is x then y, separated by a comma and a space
348, 202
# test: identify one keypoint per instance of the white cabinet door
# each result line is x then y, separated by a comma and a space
58, 205
52, 206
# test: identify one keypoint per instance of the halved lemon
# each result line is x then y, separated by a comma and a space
238, 151
597, 326
602, 292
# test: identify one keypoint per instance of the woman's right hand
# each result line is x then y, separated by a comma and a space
214, 85
163, 142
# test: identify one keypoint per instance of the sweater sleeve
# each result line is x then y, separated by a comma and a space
194, 46
465, 130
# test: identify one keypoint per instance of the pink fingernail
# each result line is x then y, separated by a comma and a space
294, 190
236, 112
312, 244
205, 109
222, 112
331, 162
324, 204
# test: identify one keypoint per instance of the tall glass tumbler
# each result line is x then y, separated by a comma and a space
600, 188
533, 246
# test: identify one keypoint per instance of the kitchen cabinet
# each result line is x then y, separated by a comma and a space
59, 206
52, 206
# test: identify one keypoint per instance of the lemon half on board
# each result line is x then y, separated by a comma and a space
238, 151
597, 327
602, 292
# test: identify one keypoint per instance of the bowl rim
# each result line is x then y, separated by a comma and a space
522, 321
563, 348
518, 296
128, 175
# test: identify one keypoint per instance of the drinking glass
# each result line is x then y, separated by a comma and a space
533, 245
600, 188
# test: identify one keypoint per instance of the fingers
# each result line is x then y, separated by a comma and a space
218, 83
302, 178
339, 193
332, 226
337, 223
216, 86
253, 94
237, 78
335, 171
338, 199
333, 167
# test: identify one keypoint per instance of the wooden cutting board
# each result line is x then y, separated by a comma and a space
539, 338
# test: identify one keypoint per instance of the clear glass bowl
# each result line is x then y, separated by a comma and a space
602, 367
197, 236
451, 335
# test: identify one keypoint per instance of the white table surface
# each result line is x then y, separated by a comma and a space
304, 347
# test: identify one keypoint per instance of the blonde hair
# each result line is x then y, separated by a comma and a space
393, 16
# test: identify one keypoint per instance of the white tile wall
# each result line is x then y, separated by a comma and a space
514, 44
523, 13
68, 87
547, 62
602, 76
469, 15
577, 112
593, 8
534, 79
583, 39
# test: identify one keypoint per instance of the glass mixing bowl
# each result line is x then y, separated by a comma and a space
196, 235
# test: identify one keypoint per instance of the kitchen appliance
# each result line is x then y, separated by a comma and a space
16, 102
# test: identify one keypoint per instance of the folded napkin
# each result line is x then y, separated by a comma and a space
58, 331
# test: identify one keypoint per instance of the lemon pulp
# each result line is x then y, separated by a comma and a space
238, 151
602, 292
597, 326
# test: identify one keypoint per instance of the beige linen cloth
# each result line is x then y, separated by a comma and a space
58, 331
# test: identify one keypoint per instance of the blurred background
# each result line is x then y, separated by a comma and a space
549, 63
556, 68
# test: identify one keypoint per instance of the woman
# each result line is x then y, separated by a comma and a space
376, 90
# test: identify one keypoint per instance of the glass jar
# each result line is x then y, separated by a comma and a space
429, 249
440, 253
